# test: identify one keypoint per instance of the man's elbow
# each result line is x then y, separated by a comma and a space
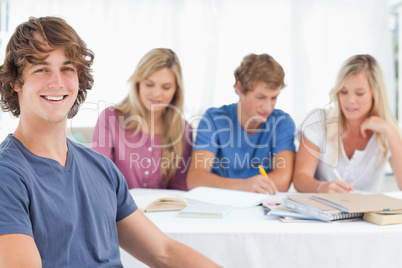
191, 179
284, 186
285, 181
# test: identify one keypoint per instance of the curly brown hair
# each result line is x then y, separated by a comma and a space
256, 69
30, 39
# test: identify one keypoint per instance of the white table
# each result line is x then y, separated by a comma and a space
248, 238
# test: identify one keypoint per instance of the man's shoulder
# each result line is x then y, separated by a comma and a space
11, 156
9, 148
86, 151
278, 112
221, 117
223, 110
280, 118
90, 157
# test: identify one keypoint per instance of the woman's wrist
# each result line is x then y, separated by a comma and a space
319, 186
392, 133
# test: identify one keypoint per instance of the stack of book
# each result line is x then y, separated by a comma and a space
376, 208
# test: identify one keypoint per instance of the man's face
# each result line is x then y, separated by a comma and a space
50, 89
257, 105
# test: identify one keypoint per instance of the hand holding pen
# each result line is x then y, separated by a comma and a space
273, 187
260, 183
339, 185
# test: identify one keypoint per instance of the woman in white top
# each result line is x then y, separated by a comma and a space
345, 146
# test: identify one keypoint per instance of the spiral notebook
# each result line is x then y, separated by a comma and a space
303, 204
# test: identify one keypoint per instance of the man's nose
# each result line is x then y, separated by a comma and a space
55, 80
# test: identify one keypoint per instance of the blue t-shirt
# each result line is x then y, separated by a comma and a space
237, 153
71, 212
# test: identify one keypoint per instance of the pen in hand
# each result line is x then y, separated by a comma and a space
263, 173
340, 178
337, 174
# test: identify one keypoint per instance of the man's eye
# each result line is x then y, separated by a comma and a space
68, 69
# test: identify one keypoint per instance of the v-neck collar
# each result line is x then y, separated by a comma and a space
356, 152
50, 160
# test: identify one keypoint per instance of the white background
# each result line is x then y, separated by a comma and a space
309, 38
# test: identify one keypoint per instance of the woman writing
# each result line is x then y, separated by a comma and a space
145, 135
345, 146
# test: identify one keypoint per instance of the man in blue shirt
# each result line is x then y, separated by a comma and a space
234, 142
61, 204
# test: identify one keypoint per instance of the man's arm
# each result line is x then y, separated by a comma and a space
283, 170
199, 175
18, 250
143, 240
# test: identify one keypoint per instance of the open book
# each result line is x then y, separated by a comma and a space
217, 196
149, 203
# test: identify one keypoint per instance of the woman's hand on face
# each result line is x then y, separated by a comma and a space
373, 124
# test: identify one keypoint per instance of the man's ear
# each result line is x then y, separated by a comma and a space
15, 88
239, 88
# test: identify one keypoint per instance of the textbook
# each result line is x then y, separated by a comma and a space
148, 203
201, 210
384, 218
303, 204
356, 202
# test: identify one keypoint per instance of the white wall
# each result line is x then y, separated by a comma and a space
309, 38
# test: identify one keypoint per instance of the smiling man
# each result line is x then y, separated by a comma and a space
233, 141
62, 204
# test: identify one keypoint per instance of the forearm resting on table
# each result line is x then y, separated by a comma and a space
281, 179
180, 255
139, 237
283, 170
305, 183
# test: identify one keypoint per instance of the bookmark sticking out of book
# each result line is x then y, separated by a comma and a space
201, 210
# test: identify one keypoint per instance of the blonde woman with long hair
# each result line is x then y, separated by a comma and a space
345, 146
145, 135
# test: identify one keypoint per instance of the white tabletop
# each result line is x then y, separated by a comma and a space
249, 238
